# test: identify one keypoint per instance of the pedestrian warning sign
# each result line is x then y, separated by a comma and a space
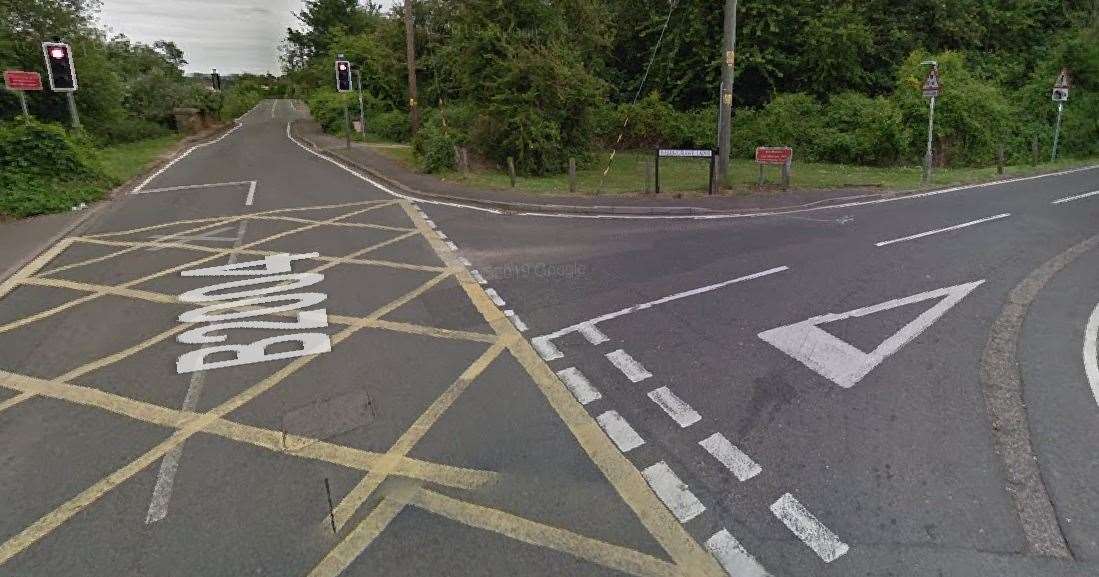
932, 86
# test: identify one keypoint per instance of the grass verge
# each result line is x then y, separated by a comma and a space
24, 195
631, 174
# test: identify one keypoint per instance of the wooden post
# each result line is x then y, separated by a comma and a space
572, 175
1000, 158
458, 159
511, 170
656, 174
410, 54
786, 175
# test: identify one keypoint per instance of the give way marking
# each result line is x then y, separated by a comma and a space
842, 363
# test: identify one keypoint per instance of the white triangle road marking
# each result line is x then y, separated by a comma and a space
842, 363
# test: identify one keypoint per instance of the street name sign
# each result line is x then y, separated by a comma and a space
21, 80
681, 153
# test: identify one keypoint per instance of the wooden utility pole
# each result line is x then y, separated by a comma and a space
410, 48
725, 116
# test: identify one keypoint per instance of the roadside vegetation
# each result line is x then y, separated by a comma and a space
128, 91
542, 82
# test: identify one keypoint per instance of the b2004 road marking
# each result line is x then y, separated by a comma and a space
265, 283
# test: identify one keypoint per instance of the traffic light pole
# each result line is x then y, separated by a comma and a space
347, 118
1057, 129
72, 111
362, 111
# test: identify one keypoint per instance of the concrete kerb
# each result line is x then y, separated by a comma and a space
645, 211
98, 208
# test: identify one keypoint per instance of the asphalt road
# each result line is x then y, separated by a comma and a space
820, 393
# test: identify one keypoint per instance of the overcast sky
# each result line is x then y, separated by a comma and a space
230, 35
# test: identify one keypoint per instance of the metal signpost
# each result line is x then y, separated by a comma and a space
19, 82
931, 89
1060, 96
362, 111
775, 156
681, 153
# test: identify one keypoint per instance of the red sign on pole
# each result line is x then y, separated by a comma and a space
772, 155
20, 80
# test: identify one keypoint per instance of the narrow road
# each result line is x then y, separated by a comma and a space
262, 363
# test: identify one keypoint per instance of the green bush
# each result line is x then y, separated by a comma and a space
654, 123
862, 130
442, 130
393, 125
23, 195
972, 115
44, 150
131, 130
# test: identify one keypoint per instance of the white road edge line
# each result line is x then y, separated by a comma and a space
732, 556
495, 296
1077, 197
812, 532
629, 367
947, 229
152, 176
452, 246
673, 492
739, 464
592, 334
620, 431
675, 407
1091, 352
192, 186
251, 194
579, 385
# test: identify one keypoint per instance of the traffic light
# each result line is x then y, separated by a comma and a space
59, 64
343, 76
215, 80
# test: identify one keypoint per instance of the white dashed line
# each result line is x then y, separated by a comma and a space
733, 558
546, 349
441, 234
728, 454
673, 492
939, 230
515, 320
594, 335
579, 385
1077, 197
812, 532
452, 246
623, 435
629, 367
477, 276
496, 300
675, 407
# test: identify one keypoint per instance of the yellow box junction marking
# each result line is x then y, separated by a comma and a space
689, 559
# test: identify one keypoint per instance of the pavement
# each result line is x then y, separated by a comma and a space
266, 363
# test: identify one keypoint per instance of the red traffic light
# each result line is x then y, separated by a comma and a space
57, 52
343, 66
